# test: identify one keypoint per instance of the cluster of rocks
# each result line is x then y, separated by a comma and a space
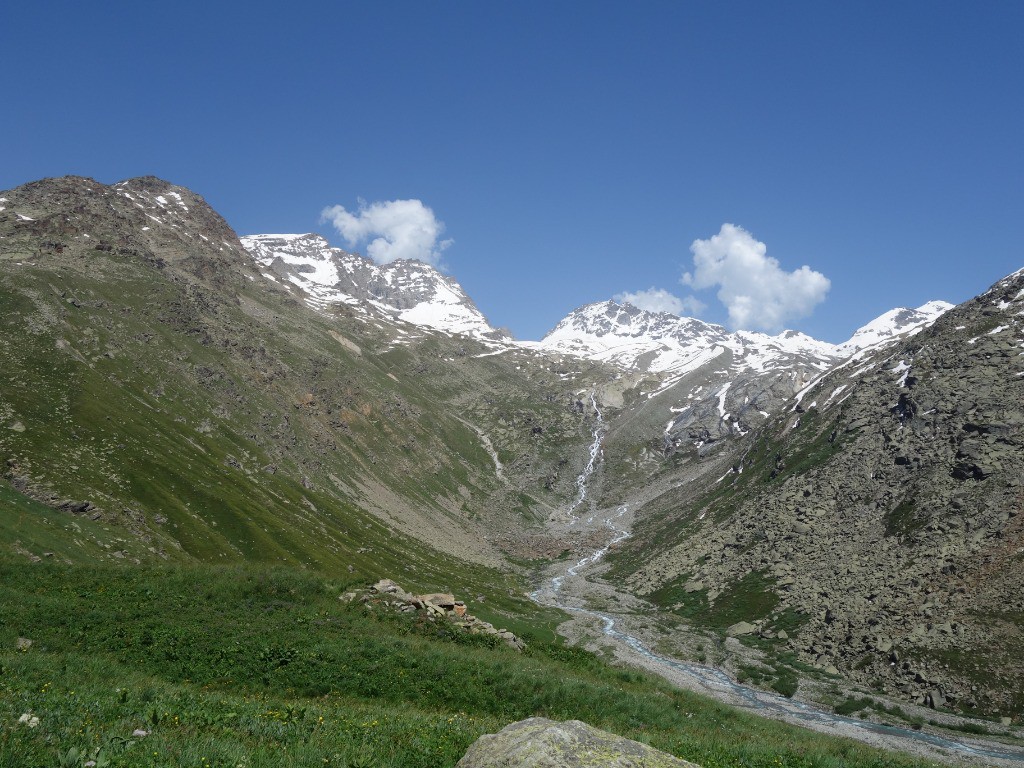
435, 605
23, 483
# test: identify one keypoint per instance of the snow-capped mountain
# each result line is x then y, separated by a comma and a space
406, 290
660, 342
716, 381
892, 325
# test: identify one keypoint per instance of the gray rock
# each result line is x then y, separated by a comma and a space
444, 601
542, 743
740, 628
385, 586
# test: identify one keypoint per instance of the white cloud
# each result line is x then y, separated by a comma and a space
660, 300
757, 292
396, 229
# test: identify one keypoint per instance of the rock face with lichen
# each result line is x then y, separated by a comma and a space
542, 743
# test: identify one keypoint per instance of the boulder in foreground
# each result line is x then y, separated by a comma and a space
542, 743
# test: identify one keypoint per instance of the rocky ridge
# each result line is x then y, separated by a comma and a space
891, 326
881, 516
165, 225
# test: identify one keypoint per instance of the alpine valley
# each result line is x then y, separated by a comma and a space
239, 431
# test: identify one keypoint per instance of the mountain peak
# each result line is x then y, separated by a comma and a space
603, 318
135, 215
406, 290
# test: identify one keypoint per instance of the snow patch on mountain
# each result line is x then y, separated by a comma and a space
896, 323
406, 290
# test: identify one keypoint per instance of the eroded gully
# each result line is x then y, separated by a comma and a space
565, 589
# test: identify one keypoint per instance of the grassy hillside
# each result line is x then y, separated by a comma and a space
227, 666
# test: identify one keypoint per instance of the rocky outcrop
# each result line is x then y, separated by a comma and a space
435, 606
542, 743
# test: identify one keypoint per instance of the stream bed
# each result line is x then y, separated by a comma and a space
716, 682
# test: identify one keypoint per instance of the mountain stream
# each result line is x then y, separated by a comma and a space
588, 470
565, 590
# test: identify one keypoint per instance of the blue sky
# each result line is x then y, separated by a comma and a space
573, 151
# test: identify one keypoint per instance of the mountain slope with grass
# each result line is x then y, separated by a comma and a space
155, 384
